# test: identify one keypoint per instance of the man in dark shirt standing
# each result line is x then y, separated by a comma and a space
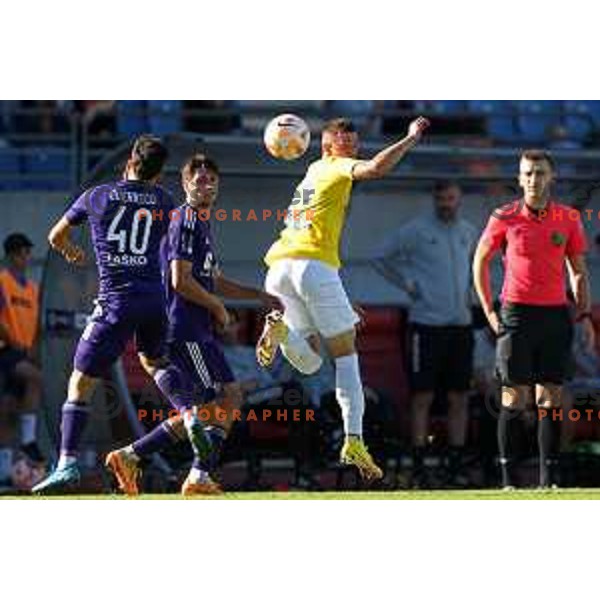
534, 327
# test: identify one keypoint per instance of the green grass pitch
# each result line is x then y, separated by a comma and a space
525, 494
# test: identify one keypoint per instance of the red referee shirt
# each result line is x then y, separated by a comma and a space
536, 248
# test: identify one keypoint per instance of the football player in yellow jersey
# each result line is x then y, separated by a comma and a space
303, 273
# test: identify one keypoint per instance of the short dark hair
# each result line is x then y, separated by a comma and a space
539, 155
148, 156
196, 162
15, 242
339, 125
441, 185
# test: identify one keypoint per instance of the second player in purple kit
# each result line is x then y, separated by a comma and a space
191, 341
193, 283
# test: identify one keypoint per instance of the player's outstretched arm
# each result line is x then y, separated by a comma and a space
59, 239
482, 282
237, 291
383, 162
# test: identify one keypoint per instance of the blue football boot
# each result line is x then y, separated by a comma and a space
60, 481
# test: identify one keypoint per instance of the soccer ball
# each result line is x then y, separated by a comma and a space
287, 137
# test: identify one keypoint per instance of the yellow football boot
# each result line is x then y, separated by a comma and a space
354, 452
274, 333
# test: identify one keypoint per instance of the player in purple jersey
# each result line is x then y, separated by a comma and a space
195, 311
126, 233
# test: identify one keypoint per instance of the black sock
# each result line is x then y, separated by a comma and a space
418, 453
509, 425
548, 446
455, 459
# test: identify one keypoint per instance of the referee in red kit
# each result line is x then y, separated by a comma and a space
534, 326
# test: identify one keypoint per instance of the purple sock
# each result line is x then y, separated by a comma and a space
175, 386
74, 419
158, 438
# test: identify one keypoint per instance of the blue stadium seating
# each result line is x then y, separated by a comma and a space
131, 117
537, 118
449, 107
579, 118
500, 118
9, 160
358, 110
578, 126
46, 160
351, 107
164, 116
10, 167
592, 107
46, 169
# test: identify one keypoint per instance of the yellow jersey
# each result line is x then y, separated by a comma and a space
316, 216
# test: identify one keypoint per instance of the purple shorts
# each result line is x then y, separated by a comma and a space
113, 324
203, 363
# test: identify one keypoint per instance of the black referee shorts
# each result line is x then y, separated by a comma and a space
534, 344
440, 357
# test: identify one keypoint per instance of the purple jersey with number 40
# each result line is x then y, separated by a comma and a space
128, 220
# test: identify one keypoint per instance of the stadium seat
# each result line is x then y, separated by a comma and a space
578, 126
257, 113
46, 168
131, 117
9, 160
537, 118
499, 117
592, 107
449, 107
578, 119
351, 107
10, 167
47, 160
357, 110
164, 116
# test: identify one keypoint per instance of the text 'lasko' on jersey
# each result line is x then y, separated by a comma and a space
128, 220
